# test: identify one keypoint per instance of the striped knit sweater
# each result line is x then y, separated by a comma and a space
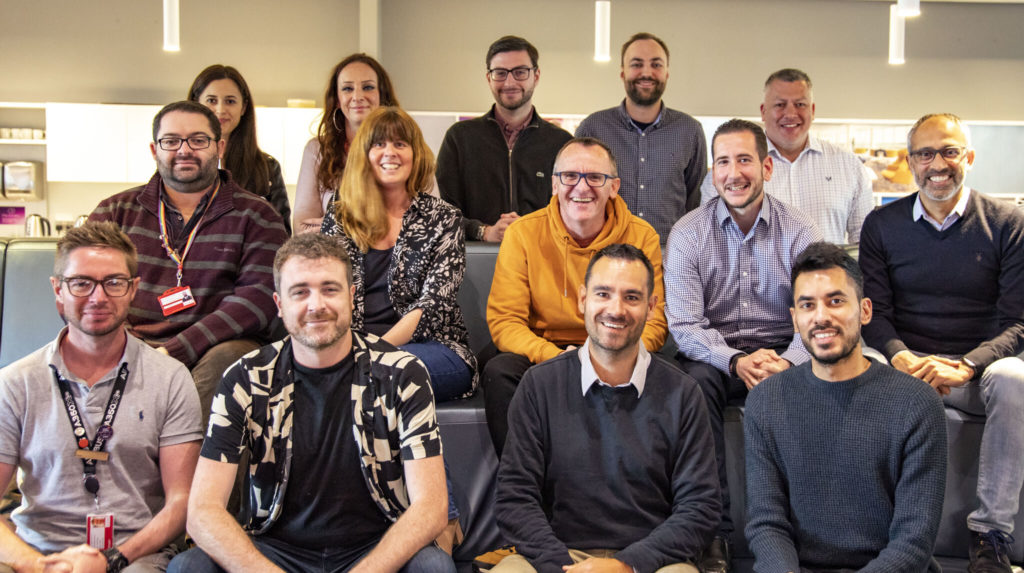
229, 268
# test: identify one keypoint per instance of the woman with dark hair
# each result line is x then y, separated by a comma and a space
407, 247
357, 86
223, 90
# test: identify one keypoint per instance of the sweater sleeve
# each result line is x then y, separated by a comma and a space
656, 329
519, 505
1010, 304
508, 306
696, 500
449, 181
919, 492
880, 333
768, 530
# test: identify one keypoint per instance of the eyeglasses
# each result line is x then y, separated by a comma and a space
84, 286
952, 153
195, 142
501, 74
594, 180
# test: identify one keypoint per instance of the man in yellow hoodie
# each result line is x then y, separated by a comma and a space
532, 311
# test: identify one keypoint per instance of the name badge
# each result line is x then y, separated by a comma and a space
176, 299
99, 530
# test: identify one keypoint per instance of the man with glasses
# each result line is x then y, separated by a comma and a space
945, 269
532, 310
662, 153
206, 248
495, 168
103, 430
727, 282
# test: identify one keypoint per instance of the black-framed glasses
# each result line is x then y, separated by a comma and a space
952, 153
594, 180
195, 142
84, 286
501, 74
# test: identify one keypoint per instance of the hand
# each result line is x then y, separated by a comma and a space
906, 361
943, 373
598, 565
496, 232
758, 365
309, 225
77, 559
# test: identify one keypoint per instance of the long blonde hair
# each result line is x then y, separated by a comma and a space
360, 206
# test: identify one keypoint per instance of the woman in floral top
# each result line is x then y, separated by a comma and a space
408, 250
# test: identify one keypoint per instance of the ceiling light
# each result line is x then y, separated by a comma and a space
602, 30
896, 35
172, 25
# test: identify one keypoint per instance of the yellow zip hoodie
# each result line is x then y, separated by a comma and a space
532, 309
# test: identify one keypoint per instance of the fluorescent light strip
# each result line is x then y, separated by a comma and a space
602, 30
896, 36
172, 26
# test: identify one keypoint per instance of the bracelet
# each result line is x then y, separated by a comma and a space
732, 363
481, 231
116, 561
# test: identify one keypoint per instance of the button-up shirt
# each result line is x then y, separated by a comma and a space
728, 292
953, 217
826, 182
589, 377
660, 166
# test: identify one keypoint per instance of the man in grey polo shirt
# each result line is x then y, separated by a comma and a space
661, 152
103, 430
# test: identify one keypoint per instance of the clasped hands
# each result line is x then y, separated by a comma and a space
941, 373
758, 365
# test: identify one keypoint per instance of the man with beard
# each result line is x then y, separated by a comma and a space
496, 167
345, 468
103, 430
727, 283
945, 269
206, 246
609, 464
820, 178
846, 457
662, 153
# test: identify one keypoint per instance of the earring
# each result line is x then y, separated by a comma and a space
334, 120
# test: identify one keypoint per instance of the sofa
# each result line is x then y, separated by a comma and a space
28, 320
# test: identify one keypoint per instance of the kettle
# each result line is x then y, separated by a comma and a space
37, 226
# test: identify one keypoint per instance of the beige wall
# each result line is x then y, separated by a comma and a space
965, 58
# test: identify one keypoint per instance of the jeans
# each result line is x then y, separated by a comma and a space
450, 376
430, 559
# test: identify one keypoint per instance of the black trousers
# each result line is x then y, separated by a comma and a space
500, 379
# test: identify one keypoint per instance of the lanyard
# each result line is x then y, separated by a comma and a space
92, 451
180, 259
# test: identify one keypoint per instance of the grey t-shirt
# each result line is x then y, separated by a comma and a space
160, 408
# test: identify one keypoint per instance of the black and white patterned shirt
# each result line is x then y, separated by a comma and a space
727, 292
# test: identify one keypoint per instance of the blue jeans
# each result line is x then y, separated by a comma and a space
999, 396
450, 376
430, 559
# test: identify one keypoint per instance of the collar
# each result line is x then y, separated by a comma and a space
54, 358
813, 145
722, 212
588, 377
629, 120
954, 215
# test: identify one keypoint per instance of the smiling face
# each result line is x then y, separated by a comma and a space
616, 304
315, 302
358, 93
940, 180
226, 102
644, 72
737, 172
787, 113
187, 170
828, 315
511, 93
583, 208
391, 162
98, 314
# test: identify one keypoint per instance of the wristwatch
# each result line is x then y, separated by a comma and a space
115, 560
480, 232
970, 364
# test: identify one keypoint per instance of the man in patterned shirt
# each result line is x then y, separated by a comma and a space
823, 180
661, 152
728, 289
351, 415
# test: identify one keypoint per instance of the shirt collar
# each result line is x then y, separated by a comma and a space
588, 376
953, 217
55, 359
629, 120
813, 144
722, 212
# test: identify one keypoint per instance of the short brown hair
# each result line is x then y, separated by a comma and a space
311, 246
642, 36
95, 234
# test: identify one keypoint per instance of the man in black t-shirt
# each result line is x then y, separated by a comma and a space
321, 414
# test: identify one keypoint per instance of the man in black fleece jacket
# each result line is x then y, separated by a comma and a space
609, 463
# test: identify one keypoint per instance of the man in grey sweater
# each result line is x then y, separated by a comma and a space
846, 457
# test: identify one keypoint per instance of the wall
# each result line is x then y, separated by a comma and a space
965, 58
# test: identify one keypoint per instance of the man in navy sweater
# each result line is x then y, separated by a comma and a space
609, 463
934, 263
846, 457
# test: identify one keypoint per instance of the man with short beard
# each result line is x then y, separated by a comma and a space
205, 246
846, 457
727, 289
344, 470
945, 269
495, 167
661, 152
609, 461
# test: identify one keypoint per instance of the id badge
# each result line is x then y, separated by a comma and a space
176, 299
99, 530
